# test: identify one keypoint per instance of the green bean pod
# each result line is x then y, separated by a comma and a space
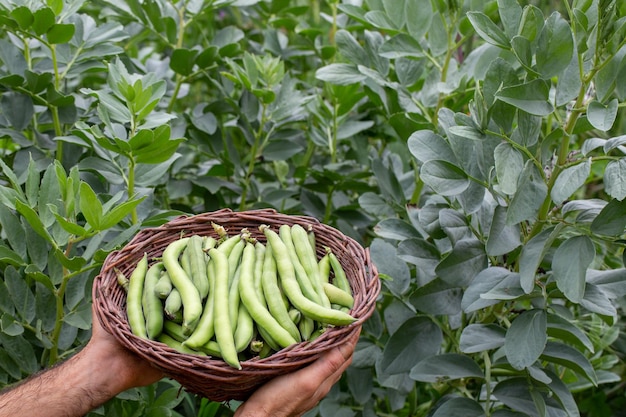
273, 295
134, 308
338, 296
208, 242
250, 299
302, 278
197, 264
259, 257
163, 286
340, 280
292, 289
234, 299
174, 330
173, 304
244, 333
192, 303
223, 329
175, 344
308, 259
234, 258
324, 267
151, 303
205, 329
306, 326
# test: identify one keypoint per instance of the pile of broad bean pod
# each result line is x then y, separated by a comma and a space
236, 297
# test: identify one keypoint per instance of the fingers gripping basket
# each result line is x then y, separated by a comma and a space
212, 377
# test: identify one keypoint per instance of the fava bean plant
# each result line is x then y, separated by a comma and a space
475, 147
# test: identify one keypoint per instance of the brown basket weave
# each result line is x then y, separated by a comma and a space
212, 377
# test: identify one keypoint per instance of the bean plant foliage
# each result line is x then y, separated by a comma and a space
476, 148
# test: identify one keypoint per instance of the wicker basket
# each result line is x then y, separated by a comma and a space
212, 377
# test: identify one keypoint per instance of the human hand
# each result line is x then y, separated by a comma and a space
125, 368
294, 394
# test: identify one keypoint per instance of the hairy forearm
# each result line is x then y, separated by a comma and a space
70, 389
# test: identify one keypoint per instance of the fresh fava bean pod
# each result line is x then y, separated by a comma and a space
239, 296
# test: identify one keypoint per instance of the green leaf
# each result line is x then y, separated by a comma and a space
34, 221
445, 367
60, 33
614, 173
21, 351
90, 206
570, 180
437, 297
510, 13
183, 60
340, 74
494, 280
502, 238
426, 145
395, 229
18, 109
571, 358
44, 19
509, 164
120, 211
488, 30
569, 271
531, 97
612, 282
22, 296
526, 339
421, 253
481, 337
350, 48
565, 330
532, 254
401, 45
600, 116
10, 257
465, 261
459, 407
416, 339
419, 17
381, 20
444, 178
384, 257
555, 46
531, 192
23, 16
597, 301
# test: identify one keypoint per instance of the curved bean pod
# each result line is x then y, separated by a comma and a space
292, 289
205, 329
306, 287
250, 299
151, 303
223, 328
197, 264
273, 295
308, 259
134, 309
192, 303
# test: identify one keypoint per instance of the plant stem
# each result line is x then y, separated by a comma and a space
487, 365
253, 156
131, 186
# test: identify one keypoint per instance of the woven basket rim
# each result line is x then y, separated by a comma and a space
192, 370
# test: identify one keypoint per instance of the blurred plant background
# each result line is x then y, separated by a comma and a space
476, 147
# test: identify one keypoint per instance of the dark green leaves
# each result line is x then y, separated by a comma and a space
555, 46
569, 271
417, 339
531, 97
526, 338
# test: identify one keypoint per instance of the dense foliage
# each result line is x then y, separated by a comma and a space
475, 147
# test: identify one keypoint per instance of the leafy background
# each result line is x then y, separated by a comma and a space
475, 147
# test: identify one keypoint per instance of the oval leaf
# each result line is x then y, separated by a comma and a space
446, 367
526, 339
570, 271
